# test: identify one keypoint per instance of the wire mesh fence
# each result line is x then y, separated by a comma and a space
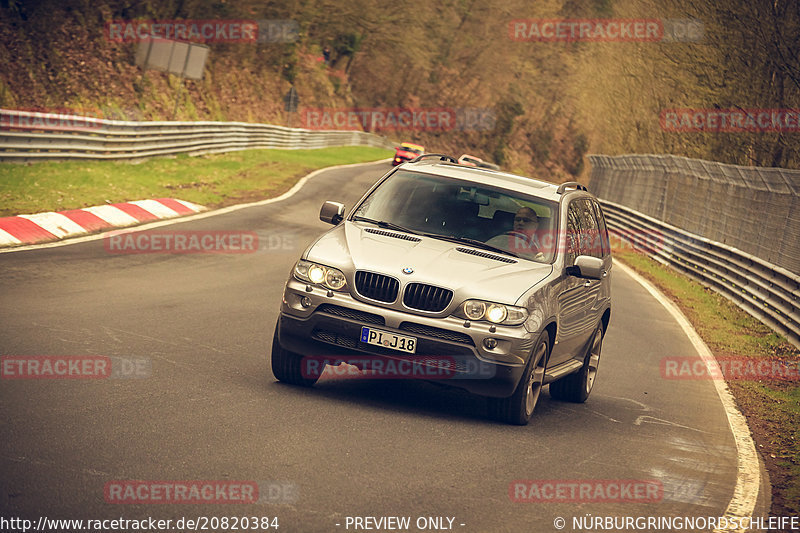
754, 209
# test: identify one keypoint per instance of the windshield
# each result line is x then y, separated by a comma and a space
436, 205
410, 149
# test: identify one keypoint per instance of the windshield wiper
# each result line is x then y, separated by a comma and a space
472, 242
385, 224
450, 238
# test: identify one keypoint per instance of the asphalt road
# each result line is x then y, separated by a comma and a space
208, 408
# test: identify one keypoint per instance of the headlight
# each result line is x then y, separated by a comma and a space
329, 277
492, 312
474, 309
316, 273
334, 279
496, 313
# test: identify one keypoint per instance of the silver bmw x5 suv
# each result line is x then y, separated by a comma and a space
484, 280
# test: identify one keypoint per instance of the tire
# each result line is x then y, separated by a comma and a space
577, 387
518, 408
286, 365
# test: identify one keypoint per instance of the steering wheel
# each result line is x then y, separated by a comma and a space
518, 234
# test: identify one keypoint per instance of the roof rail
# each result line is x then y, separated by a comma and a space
578, 187
442, 157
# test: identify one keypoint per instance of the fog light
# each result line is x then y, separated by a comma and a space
490, 343
305, 301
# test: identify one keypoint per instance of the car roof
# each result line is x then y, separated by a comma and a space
495, 178
412, 145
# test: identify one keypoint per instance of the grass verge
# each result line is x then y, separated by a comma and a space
772, 407
211, 180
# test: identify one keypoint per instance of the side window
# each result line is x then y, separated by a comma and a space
601, 225
574, 231
590, 236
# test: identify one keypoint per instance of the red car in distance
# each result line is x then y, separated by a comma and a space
407, 152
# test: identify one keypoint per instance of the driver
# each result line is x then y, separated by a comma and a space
522, 238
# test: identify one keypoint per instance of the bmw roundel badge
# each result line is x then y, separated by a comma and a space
408, 270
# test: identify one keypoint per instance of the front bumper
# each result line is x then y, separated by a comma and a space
331, 328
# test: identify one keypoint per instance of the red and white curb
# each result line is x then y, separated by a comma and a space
51, 226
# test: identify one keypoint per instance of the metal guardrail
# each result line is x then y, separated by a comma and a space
32, 136
768, 292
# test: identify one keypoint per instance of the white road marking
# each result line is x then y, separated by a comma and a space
156, 208
662, 422
194, 207
56, 223
748, 478
113, 215
6, 238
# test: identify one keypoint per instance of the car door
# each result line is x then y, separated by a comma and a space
577, 296
570, 293
605, 285
592, 244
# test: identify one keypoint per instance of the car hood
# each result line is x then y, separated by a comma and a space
354, 246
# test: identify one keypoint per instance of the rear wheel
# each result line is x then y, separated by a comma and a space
577, 387
288, 366
518, 408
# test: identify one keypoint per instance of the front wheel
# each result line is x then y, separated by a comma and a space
577, 387
518, 408
288, 366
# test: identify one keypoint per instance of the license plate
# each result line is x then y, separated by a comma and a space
387, 339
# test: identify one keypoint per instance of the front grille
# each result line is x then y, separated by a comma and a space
453, 364
439, 333
334, 338
352, 314
377, 286
427, 297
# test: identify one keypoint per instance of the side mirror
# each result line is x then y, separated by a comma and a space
331, 212
587, 267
